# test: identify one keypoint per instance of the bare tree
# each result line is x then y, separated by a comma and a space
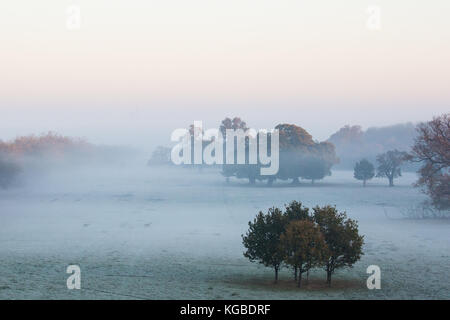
389, 164
432, 149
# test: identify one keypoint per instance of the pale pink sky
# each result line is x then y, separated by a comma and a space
135, 67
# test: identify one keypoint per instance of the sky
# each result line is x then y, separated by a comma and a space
133, 71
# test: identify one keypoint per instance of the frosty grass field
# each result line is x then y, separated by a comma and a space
158, 233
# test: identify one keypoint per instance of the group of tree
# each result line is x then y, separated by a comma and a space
48, 144
431, 149
389, 166
364, 171
48, 151
18, 153
303, 240
300, 156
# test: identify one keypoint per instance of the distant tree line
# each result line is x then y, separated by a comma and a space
303, 240
303, 158
14, 154
45, 144
300, 156
431, 150
353, 143
38, 153
389, 166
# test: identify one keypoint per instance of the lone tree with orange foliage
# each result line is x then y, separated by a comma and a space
295, 211
304, 246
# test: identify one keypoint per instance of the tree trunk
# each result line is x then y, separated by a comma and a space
270, 182
364, 183
300, 280
295, 272
329, 278
251, 180
312, 181
227, 180
391, 182
276, 274
295, 181
307, 277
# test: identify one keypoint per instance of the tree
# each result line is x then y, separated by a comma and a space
295, 143
8, 173
228, 171
262, 239
364, 170
301, 156
432, 149
315, 169
232, 124
295, 211
160, 156
389, 165
304, 246
342, 239
248, 171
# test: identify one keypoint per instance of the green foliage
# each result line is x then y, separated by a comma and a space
341, 236
364, 170
296, 211
327, 238
262, 240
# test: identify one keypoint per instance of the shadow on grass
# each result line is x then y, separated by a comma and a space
318, 185
314, 284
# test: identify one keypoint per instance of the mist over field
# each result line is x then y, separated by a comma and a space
161, 231
348, 103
